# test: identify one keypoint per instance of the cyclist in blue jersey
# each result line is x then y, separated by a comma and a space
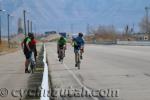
78, 44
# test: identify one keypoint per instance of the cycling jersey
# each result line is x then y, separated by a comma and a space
78, 42
62, 41
27, 40
32, 44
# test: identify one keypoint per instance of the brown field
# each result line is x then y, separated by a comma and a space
4, 49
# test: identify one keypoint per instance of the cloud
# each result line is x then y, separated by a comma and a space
47, 13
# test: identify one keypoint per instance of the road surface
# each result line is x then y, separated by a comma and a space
122, 68
14, 79
12, 76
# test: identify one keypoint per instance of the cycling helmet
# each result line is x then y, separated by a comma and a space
80, 34
63, 34
61, 38
31, 35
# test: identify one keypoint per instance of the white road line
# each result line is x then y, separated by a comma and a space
75, 77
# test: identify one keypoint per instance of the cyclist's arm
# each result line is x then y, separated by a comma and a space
65, 41
72, 43
82, 45
27, 44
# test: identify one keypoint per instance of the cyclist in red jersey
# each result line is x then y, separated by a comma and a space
29, 46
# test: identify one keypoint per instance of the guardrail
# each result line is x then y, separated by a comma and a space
134, 43
102, 42
45, 82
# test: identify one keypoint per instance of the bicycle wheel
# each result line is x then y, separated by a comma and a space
32, 63
32, 68
61, 57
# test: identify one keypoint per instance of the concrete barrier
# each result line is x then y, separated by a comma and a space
134, 43
102, 42
45, 82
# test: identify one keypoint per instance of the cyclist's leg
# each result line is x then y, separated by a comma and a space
64, 52
32, 59
57, 48
32, 62
76, 59
76, 56
28, 56
61, 53
58, 51
26, 65
81, 52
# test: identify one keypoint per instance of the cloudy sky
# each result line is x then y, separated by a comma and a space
61, 15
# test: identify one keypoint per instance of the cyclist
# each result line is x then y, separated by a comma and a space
32, 45
78, 44
61, 44
28, 46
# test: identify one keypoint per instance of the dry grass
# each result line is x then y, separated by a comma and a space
4, 49
101, 37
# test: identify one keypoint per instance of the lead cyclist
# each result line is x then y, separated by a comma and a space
78, 44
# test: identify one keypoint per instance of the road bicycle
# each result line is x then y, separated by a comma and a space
32, 64
61, 54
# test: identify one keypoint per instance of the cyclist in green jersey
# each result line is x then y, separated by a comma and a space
61, 44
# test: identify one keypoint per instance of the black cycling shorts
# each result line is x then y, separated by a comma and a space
28, 55
61, 46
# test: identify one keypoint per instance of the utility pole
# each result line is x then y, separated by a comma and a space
31, 26
146, 10
35, 30
8, 16
28, 26
1, 26
24, 14
0, 30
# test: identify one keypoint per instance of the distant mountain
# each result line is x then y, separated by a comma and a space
60, 15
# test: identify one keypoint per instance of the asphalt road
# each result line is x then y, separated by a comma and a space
119, 68
12, 76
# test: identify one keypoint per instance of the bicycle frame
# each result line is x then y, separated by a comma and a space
32, 63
